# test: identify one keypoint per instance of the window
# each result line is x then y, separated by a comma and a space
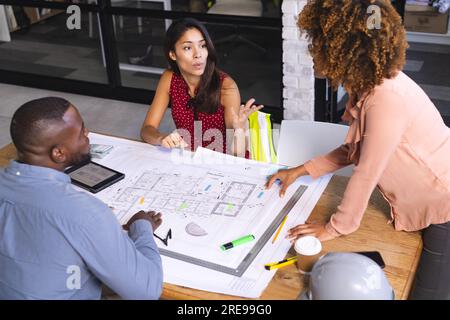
118, 50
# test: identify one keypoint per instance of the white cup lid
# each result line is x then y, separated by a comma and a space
308, 245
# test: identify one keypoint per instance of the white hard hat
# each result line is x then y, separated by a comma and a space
347, 276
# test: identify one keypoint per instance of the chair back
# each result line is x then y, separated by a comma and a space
302, 140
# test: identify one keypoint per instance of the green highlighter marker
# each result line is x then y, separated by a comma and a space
237, 242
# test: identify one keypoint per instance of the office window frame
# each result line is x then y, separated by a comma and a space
114, 88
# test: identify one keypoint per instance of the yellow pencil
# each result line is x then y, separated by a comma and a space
280, 264
279, 229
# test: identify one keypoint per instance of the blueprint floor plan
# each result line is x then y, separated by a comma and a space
204, 206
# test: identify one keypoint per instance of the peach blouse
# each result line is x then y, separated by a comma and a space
398, 141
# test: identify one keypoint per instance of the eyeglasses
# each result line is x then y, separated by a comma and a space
166, 239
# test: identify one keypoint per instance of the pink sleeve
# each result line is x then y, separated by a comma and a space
330, 162
385, 124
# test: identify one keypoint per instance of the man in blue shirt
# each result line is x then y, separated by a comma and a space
57, 242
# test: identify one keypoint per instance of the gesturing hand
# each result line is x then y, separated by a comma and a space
240, 119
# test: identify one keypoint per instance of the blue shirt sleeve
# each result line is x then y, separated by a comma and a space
128, 264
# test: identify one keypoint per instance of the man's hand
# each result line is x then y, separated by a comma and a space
151, 216
309, 229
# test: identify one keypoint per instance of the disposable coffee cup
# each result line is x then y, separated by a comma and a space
309, 250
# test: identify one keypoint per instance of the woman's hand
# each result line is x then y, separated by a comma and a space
240, 119
173, 140
315, 229
286, 177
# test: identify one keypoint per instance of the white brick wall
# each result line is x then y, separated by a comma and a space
298, 74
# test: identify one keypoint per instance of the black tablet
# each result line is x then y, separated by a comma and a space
93, 176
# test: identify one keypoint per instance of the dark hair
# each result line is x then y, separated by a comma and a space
208, 96
33, 117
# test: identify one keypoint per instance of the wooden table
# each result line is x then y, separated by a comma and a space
400, 250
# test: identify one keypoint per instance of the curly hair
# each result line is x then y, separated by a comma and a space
346, 50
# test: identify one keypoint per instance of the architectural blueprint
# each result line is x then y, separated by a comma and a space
205, 205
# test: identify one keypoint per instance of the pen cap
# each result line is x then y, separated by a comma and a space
226, 246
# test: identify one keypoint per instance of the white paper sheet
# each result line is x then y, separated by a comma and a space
223, 197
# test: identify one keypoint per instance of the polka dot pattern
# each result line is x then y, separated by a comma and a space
183, 116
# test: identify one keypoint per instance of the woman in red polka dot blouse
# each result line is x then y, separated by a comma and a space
206, 104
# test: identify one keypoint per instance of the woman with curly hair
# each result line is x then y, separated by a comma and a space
396, 139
